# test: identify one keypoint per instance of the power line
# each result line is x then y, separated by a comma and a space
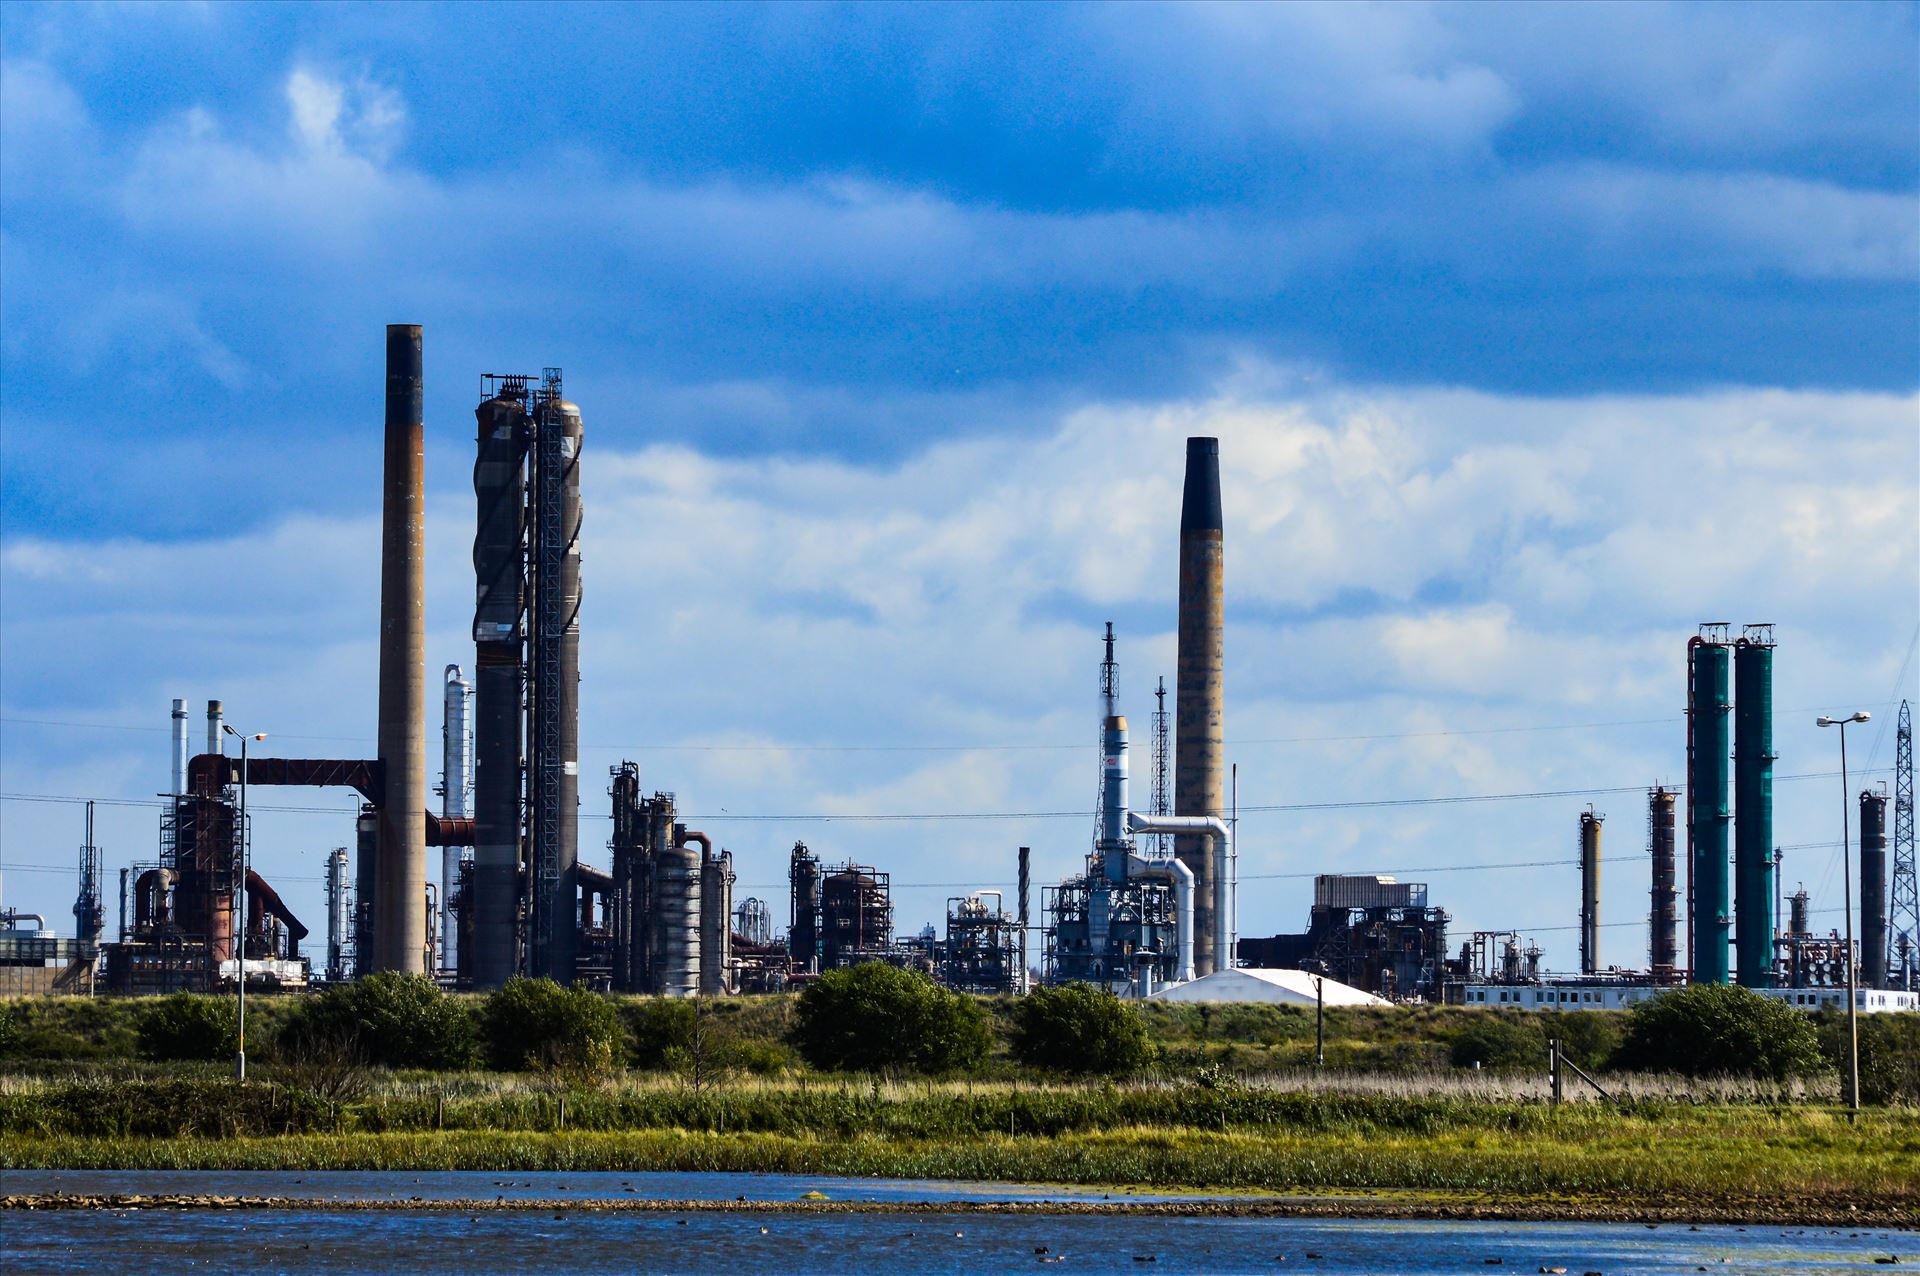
816, 817
959, 748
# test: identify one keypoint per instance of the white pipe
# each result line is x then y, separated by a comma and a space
1222, 853
180, 747
1182, 878
216, 743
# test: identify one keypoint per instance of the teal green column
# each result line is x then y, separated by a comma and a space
1707, 814
1753, 919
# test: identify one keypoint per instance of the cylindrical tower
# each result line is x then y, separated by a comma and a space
1590, 891
1873, 889
1753, 806
216, 738
1797, 913
1113, 797
676, 894
571, 434
499, 487
400, 875
338, 919
716, 921
1707, 815
456, 781
1199, 767
181, 749
1663, 950
803, 918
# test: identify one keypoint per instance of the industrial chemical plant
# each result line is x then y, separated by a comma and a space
1152, 911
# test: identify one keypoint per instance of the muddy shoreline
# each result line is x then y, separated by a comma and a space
1853, 1212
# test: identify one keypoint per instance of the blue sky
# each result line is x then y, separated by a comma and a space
1534, 336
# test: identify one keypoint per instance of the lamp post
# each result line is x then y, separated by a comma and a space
240, 949
1846, 881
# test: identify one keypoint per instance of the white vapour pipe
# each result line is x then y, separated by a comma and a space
180, 747
1182, 878
1222, 854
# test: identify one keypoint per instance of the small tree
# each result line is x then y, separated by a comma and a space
536, 1024
1492, 1040
389, 1019
875, 1017
1719, 1030
1079, 1028
189, 1026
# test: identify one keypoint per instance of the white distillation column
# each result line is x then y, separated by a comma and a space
457, 786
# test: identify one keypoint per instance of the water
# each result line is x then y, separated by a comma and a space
586, 1242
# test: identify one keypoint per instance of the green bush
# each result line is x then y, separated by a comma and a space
1889, 1056
535, 1023
390, 1019
874, 1017
1079, 1028
12, 1038
190, 1027
1588, 1037
164, 1108
1498, 1042
656, 1027
1719, 1030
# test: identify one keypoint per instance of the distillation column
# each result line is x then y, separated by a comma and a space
499, 487
1753, 908
1590, 891
1873, 889
1663, 950
456, 772
1707, 814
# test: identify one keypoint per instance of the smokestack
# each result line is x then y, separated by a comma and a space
216, 739
1590, 892
400, 872
1199, 771
181, 750
1873, 889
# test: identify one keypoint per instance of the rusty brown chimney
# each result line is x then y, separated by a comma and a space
400, 856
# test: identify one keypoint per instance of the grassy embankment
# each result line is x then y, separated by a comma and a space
1232, 1137
1387, 1115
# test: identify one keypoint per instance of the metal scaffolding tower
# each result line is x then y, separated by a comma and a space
1162, 760
1903, 912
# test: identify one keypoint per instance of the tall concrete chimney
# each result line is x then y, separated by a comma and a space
400, 854
1199, 764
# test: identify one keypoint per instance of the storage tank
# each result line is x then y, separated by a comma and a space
1873, 889
676, 896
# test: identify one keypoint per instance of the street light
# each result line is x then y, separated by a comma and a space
240, 949
1846, 880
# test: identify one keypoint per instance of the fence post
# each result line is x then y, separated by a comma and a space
1553, 1067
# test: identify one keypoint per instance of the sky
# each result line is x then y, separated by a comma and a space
1533, 337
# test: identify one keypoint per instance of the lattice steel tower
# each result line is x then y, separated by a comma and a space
1162, 759
1903, 913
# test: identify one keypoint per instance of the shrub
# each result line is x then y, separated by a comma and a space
12, 1039
1889, 1056
874, 1017
1496, 1041
656, 1027
1079, 1028
1719, 1030
390, 1019
535, 1023
189, 1026
1588, 1037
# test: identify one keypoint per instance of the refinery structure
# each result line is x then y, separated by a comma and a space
1151, 911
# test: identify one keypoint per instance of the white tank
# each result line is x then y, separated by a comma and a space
676, 894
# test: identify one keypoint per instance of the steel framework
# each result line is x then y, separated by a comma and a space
1903, 912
